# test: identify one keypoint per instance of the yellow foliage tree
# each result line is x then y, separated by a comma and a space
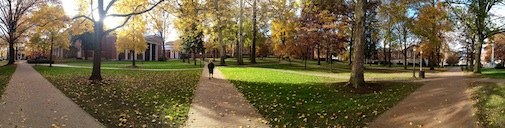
131, 36
52, 25
80, 26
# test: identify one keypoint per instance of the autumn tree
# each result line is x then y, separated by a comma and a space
131, 36
51, 23
103, 12
283, 27
14, 21
161, 19
430, 26
188, 22
357, 74
397, 25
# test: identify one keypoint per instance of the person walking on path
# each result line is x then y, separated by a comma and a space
211, 69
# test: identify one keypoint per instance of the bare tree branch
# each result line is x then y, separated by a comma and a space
110, 5
83, 16
123, 24
136, 13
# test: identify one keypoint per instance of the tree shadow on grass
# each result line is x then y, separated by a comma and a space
322, 104
489, 100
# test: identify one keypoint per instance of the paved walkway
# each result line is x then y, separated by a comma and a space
217, 103
441, 103
31, 101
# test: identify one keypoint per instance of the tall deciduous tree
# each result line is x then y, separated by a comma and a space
161, 25
103, 12
52, 24
357, 74
485, 27
131, 36
430, 25
13, 21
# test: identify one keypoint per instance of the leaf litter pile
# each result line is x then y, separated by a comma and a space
294, 100
129, 98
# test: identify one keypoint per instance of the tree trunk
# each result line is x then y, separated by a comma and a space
51, 52
390, 55
253, 49
221, 44
194, 55
357, 78
432, 60
11, 52
471, 54
477, 55
133, 58
240, 60
405, 63
164, 50
351, 45
318, 54
96, 74
385, 54
438, 57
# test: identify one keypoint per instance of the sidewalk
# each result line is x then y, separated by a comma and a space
30, 100
217, 103
440, 103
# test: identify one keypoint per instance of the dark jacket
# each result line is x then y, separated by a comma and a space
211, 67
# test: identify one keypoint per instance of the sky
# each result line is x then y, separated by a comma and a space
70, 9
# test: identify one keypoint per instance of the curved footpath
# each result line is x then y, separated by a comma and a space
30, 100
217, 103
441, 103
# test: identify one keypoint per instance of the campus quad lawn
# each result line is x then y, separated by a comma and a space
489, 99
294, 100
5, 76
128, 98
171, 64
493, 73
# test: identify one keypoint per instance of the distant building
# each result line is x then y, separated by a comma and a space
170, 52
109, 52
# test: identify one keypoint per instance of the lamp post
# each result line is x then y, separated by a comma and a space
201, 59
414, 64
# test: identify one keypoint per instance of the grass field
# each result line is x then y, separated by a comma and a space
5, 76
489, 100
493, 73
293, 100
171, 64
128, 98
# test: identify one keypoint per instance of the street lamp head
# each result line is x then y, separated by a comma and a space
414, 49
421, 51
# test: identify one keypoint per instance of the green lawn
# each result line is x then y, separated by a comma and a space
293, 100
129, 98
493, 73
489, 100
5, 76
171, 64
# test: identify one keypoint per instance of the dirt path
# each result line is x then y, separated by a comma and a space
442, 103
217, 103
31, 101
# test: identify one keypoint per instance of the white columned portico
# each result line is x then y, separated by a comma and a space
125, 55
150, 52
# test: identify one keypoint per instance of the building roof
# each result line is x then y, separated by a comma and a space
154, 39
